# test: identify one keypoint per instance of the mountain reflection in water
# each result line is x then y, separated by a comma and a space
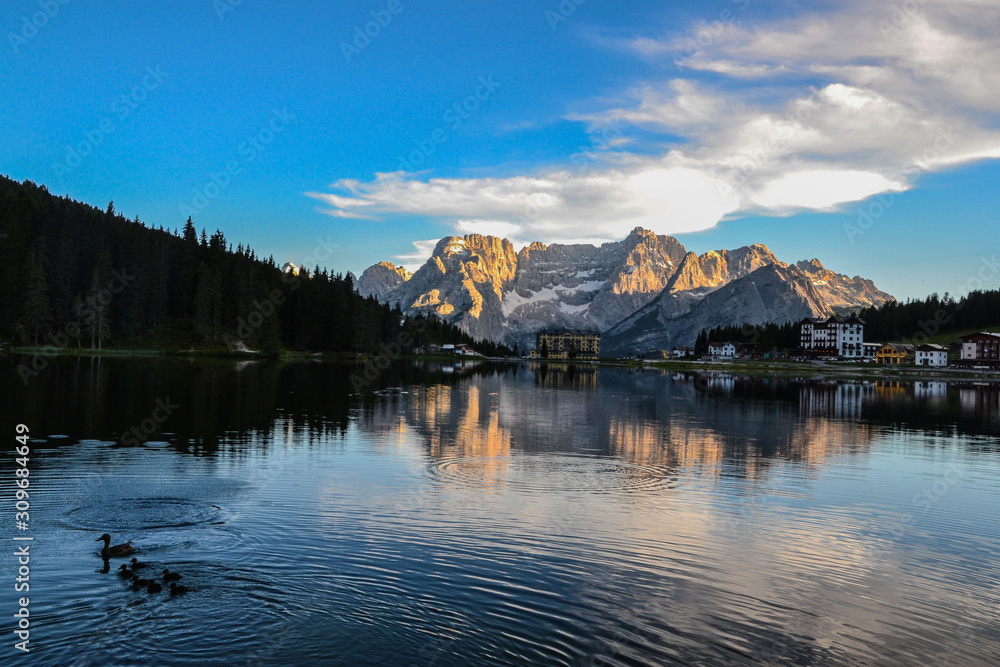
504, 514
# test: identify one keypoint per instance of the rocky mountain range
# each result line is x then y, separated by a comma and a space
644, 292
381, 279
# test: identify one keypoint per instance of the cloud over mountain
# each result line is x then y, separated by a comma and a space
754, 116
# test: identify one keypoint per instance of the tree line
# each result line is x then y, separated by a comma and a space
914, 321
768, 336
73, 275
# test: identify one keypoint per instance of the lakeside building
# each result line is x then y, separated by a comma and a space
982, 348
566, 344
834, 336
681, 351
931, 355
895, 353
460, 349
870, 351
722, 351
749, 351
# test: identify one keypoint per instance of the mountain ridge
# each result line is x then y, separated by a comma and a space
482, 285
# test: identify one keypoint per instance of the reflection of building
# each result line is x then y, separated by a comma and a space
981, 347
936, 390
565, 376
836, 336
722, 382
567, 344
895, 353
931, 355
837, 400
983, 402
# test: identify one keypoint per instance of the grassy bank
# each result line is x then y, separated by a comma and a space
799, 369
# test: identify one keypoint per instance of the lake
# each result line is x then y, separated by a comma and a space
502, 514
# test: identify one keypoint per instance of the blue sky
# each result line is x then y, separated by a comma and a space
855, 132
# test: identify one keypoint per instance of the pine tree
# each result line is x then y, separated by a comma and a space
99, 304
79, 323
37, 309
190, 233
208, 304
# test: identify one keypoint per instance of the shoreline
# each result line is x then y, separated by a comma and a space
799, 369
759, 368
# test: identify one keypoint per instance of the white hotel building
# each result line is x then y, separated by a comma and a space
836, 336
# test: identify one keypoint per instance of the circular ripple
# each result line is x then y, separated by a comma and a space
144, 514
552, 474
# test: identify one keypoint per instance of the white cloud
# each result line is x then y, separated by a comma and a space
844, 105
821, 189
422, 250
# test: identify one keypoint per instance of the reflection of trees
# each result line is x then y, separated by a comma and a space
640, 416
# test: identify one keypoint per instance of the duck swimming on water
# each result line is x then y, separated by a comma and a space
154, 587
136, 564
123, 572
176, 589
118, 550
171, 576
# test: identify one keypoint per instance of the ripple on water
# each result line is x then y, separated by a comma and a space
552, 474
130, 514
121, 624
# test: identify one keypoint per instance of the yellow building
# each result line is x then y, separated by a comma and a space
567, 344
893, 353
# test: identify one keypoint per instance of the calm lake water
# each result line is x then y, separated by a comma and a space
504, 515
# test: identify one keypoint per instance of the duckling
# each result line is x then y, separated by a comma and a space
138, 583
118, 550
136, 564
171, 576
124, 572
176, 589
154, 587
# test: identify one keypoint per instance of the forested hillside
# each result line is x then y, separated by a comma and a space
932, 316
912, 322
72, 275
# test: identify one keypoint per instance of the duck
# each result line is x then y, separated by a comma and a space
176, 589
171, 576
136, 564
138, 583
124, 572
118, 550
154, 587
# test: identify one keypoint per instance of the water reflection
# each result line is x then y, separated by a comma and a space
544, 513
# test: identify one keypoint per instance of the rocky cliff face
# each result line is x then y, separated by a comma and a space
588, 287
380, 279
463, 282
646, 283
772, 293
841, 292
